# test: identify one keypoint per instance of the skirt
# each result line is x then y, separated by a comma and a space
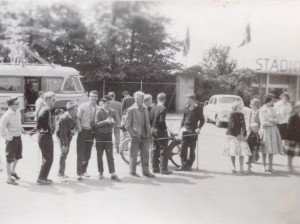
283, 128
291, 148
235, 147
272, 142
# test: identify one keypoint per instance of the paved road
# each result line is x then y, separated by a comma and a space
212, 195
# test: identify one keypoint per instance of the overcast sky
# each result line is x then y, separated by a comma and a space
275, 27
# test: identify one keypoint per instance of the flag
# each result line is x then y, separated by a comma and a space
186, 48
247, 37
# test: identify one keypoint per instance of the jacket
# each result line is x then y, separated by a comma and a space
293, 132
102, 126
134, 119
236, 125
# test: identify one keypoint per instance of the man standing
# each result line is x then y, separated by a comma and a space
45, 128
64, 132
39, 102
85, 123
138, 125
105, 121
160, 156
11, 130
117, 107
148, 102
191, 123
127, 102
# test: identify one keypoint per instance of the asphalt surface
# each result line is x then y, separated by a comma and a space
211, 194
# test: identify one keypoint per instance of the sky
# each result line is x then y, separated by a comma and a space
275, 28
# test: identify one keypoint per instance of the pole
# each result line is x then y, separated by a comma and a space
142, 85
103, 87
267, 84
197, 155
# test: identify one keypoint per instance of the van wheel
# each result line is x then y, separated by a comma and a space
218, 122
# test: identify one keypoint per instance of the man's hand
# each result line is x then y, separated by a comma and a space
197, 131
79, 129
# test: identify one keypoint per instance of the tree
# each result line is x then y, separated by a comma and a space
217, 62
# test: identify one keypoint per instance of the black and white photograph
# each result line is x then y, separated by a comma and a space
150, 112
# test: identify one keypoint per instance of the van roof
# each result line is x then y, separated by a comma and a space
36, 70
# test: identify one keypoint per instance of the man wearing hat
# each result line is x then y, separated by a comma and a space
192, 122
11, 130
104, 123
64, 133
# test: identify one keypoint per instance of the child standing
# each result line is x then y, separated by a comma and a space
254, 143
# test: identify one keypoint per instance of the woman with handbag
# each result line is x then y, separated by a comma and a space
236, 144
269, 133
292, 142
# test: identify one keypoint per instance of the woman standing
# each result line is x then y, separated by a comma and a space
235, 144
269, 132
283, 110
292, 142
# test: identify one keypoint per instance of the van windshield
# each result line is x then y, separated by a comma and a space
10, 84
228, 99
53, 84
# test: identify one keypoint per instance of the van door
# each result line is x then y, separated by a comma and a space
32, 86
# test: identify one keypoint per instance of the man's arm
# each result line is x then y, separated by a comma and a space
99, 122
183, 119
162, 118
78, 118
3, 131
128, 122
201, 118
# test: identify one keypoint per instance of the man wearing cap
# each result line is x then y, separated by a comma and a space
105, 121
160, 156
137, 123
85, 122
117, 107
11, 130
45, 127
64, 133
191, 123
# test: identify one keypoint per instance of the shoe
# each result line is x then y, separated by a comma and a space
182, 168
79, 177
155, 170
50, 181
86, 175
11, 181
149, 175
166, 172
101, 176
115, 177
13, 174
134, 175
43, 182
62, 175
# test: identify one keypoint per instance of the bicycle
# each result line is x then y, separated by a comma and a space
174, 148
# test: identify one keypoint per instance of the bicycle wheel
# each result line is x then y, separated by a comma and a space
124, 150
175, 148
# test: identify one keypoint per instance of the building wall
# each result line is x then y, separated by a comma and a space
185, 85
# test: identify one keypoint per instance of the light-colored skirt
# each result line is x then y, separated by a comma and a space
235, 147
271, 139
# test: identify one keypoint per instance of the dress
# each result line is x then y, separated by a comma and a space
292, 142
269, 132
235, 131
283, 113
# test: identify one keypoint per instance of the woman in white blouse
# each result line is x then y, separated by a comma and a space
269, 132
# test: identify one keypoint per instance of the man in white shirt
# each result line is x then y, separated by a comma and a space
85, 122
11, 130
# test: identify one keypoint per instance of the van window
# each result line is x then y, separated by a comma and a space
211, 100
69, 85
53, 84
78, 84
10, 84
229, 99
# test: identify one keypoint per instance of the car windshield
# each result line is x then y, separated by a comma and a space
228, 99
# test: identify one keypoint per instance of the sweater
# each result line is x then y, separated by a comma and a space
158, 117
193, 119
64, 128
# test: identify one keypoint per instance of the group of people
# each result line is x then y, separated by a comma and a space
96, 121
272, 129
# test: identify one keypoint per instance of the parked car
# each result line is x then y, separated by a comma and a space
218, 108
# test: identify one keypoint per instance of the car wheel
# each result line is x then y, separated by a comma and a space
218, 122
206, 119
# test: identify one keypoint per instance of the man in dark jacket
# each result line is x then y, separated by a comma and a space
45, 128
64, 132
160, 156
127, 101
192, 123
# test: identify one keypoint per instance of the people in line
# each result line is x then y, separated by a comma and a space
161, 154
235, 143
137, 123
254, 143
85, 122
269, 132
45, 127
65, 129
11, 130
283, 109
117, 107
104, 124
292, 142
191, 124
